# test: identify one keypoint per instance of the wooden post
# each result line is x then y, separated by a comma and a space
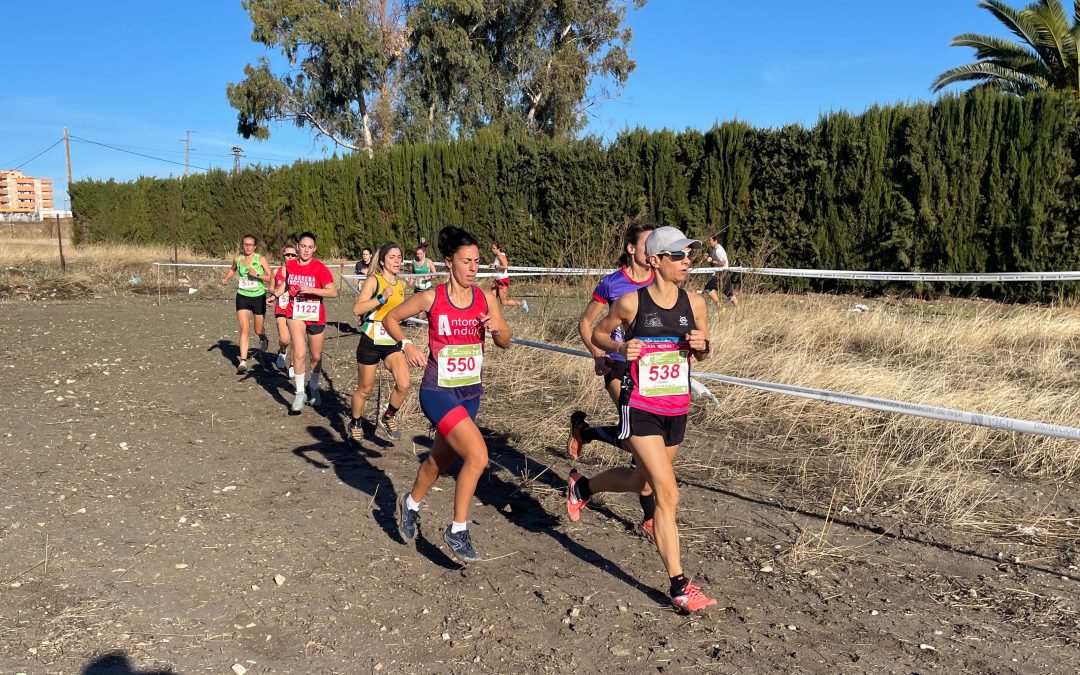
176, 270
60, 243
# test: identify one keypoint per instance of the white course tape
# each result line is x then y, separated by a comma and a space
898, 276
193, 264
903, 407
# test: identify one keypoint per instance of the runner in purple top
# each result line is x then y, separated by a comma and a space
634, 273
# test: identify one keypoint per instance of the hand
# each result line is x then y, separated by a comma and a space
697, 339
270, 300
225, 281
601, 364
632, 349
309, 290
413, 356
388, 292
489, 325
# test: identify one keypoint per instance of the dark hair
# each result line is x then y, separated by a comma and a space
377, 261
634, 230
251, 237
452, 238
715, 237
499, 245
308, 235
366, 249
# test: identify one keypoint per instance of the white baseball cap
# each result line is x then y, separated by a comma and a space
668, 240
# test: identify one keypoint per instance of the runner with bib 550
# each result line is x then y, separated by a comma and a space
459, 314
663, 327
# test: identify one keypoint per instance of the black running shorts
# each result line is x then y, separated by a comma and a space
255, 305
369, 354
637, 422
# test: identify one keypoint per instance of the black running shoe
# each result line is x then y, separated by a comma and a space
461, 546
408, 521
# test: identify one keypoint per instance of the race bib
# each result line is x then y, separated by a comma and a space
459, 365
664, 374
247, 284
283, 301
377, 332
307, 310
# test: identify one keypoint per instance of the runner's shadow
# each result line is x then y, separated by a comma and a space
353, 468
263, 371
118, 663
501, 489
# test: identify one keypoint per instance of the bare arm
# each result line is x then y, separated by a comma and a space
585, 326
365, 302
494, 322
419, 302
230, 274
622, 313
699, 337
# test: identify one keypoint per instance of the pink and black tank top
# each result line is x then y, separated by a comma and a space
456, 339
659, 381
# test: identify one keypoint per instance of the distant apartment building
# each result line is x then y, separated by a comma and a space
25, 196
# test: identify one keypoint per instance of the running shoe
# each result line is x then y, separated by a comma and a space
314, 398
264, 343
298, 402
356, 430
280, 363
390, 426
242, 367
461, 546
525, 306
691, 599
646, 528
574, 442
408, 521
574, 503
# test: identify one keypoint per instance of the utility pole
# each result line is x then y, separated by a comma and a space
187, 150
67, 152
236, 150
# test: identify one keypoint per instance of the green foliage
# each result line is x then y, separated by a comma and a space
1044, 59
979, 183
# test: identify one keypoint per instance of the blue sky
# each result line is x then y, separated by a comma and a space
137, 75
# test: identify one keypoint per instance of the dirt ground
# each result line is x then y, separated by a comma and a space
150, 497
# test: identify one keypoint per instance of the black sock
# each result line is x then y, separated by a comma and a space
355, 421
609, 434
648, 505
391, 410
678, 583
583, 490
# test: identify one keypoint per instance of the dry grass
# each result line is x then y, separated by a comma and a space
1016, 361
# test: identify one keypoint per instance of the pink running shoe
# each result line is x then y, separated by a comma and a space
574, 504
691, 599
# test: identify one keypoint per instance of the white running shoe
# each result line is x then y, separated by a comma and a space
298, 402
525, 306
242, 368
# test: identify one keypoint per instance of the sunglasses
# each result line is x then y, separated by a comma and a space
289, 255
676, 256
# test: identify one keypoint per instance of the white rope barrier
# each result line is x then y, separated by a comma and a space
867, 402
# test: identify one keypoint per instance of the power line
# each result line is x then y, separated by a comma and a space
39, 154
132, 152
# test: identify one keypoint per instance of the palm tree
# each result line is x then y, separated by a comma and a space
1045, 58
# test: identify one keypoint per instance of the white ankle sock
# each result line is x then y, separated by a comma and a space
456, 527
413, 506
299, 379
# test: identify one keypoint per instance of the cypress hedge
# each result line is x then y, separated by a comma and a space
981, 182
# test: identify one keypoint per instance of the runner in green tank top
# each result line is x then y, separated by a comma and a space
252, 274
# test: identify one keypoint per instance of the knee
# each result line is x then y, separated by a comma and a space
667, 498
401, 388
364, 390
478, 459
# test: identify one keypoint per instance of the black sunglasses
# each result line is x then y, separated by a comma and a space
676, 256
288, 255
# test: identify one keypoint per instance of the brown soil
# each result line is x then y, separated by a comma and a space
150, 496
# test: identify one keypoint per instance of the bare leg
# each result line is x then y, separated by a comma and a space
243, 317
464, 441
399, 368
365, 382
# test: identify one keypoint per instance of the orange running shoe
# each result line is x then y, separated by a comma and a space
691, 599
647, 529
574, 442
574, 504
